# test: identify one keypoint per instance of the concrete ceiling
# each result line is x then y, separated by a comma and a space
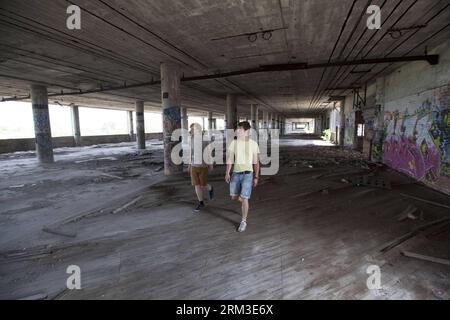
124, 42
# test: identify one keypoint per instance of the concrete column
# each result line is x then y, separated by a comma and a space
231, 116
184, 119
342, 123
265, 119
130, 125
140, 125
378, 134
184, 124
256, 125
76, 132
171, 102
210, 121
253, 116
41, 118
282, 126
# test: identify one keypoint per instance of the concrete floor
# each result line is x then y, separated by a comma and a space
311, 234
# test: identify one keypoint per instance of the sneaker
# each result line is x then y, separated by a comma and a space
242, 226
199, 207
211, 193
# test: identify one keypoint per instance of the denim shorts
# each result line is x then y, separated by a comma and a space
241, 185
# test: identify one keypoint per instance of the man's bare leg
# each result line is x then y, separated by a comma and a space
244, 208
199, 192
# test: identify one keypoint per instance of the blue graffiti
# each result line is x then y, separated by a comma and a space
172, 114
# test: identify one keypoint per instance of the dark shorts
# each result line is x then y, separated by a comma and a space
199, 176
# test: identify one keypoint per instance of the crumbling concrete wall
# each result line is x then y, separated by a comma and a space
416, 122
13, 145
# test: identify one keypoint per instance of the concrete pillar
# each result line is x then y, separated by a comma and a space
184, 124
210, 121
130, 125
171, 102
76, 132
282, 119
256, 119
41, 118
184, 119
231, 116
378, 134
253, 116
140, 125
342, 123
265, 119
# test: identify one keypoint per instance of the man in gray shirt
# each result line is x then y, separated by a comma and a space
199, 166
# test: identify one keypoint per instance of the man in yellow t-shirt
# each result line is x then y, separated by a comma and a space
243, 156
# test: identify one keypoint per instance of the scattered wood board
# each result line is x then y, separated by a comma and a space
426, 201
426, 258
403, 238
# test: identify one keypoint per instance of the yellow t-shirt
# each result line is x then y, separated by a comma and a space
245, 153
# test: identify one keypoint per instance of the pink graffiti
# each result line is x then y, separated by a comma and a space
404, 155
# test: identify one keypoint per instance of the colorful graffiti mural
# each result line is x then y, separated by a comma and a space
418, 143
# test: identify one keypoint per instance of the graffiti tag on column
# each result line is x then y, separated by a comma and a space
171, 119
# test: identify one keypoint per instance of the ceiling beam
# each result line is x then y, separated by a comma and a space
431, 59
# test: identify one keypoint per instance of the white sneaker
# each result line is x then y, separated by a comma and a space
242, 226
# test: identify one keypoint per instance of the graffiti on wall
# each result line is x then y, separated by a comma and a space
417, 143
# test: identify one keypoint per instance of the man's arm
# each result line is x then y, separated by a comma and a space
256, 167
209, 160
230, 162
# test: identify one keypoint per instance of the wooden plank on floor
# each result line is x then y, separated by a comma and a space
425, 257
